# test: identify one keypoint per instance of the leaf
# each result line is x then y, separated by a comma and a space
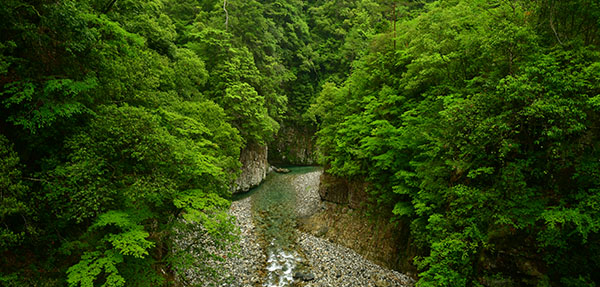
93, 266
131, 240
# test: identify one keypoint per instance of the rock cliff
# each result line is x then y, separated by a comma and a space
293, 146
343, 220
254, 167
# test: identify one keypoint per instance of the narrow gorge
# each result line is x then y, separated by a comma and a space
273, 251
271, 143
303, 227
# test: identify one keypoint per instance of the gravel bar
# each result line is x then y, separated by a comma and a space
247, 265
336, 265
330, 263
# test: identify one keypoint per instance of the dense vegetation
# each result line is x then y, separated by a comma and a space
475, 121
119, 117
478, 124
121, 122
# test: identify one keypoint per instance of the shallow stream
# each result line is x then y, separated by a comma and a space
274, 213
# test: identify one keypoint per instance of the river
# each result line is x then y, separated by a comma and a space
274, 213
273, 253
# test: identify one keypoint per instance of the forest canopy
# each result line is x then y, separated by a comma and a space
474, 122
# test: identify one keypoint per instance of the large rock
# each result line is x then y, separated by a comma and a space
333, 189
254, 167
304, 276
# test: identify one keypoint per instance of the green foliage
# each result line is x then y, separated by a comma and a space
58, 98
448, 252
343, 30
475, 124
209, 210
122, 123
131, 241
118, 114
190, 73
124, 238
13, 202
247, 111
96, 264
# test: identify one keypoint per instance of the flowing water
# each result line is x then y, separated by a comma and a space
274, 212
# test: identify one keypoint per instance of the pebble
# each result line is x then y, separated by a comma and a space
308, 200
250, 260
243, 262
329, 264
336, 265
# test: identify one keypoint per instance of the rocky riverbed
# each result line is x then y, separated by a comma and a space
336, 265
247, 267
323, 262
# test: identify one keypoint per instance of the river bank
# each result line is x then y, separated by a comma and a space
328, 264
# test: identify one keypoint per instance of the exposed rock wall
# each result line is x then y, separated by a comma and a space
343, 191
254, 167
343, 220
293, 146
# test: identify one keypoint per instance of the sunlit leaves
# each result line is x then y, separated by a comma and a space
92, 266
247, 111
131, 240
479, 132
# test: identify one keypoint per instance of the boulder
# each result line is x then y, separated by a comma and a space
281, 170
304, 276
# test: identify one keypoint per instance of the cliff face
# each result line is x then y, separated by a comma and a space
254, 167
342, 191
293, 146
344, 221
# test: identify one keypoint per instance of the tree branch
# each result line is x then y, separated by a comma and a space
554, 30
552, 24
226, 14
109, 6
34, 179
